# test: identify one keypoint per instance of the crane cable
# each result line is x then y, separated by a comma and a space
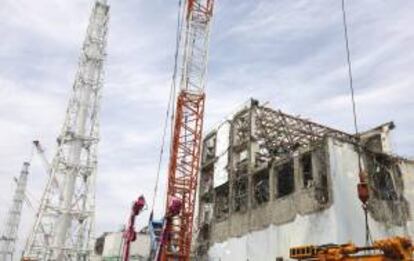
351, 80
170, 105
368, 237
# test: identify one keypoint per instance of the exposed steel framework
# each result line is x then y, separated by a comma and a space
280, 134
8, 237
64, 225
183, 170
187, 132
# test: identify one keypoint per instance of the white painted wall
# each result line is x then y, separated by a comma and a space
221, 175
113, 245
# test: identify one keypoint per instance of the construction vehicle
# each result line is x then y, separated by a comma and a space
130, 235
395, 248
155, 228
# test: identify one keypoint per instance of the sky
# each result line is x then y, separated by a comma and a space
290, 54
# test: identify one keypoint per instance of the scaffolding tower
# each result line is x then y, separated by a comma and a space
63, 229
9, 234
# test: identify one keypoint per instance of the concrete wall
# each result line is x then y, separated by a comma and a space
277, 211
270, 230
112, 250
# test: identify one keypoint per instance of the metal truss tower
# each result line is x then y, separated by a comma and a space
188, 124
9, 236
63, 229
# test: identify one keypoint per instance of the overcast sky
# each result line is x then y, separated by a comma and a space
288, 53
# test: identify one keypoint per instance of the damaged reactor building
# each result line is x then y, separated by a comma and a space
270, 181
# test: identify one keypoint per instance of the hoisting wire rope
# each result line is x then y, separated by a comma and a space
351, 80
170, 106
368, 237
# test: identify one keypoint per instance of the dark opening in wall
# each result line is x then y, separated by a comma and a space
383, 174
204, 233
306, 168
206, 181
374, 143
241, 169
99, 244
387, 203
240, 194
209, 149
221, 206
320, 174
261, 187
285, 179
322, 192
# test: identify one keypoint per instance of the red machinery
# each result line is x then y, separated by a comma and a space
187, 132
129, 234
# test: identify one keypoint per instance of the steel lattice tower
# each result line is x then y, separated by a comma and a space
63, 229
188, 125
9, 235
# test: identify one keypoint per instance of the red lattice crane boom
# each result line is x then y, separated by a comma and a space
187, 131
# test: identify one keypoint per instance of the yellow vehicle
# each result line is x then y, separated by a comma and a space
395, 248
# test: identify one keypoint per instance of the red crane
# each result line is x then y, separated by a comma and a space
129, 234
187, 132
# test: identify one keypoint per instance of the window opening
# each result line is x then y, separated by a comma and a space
261, 187
285, 179
240, 194
306, 167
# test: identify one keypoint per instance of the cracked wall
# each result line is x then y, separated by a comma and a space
279, 168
